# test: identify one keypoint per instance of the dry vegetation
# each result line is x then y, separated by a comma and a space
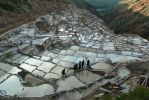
17, 12
130, 17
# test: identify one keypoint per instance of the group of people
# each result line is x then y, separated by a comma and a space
78, 67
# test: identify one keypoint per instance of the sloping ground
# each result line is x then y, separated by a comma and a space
76, 35
14, 6
130, 17
17, 12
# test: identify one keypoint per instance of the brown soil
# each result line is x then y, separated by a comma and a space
10, 20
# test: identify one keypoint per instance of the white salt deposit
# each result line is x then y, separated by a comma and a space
51, 76
69, 83
70, 59
13, 86
9, 68
58, 70
127, 53
28, 67
82, 39
46, 66
120, 59
33, 61
74, 48
123, 72
37, 91
102, 67
87, 76
84, 44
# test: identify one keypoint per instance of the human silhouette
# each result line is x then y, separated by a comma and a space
80, 65
63, 73
83, 64
88, 63
75, 68
22, 74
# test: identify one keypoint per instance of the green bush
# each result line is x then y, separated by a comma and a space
139, 93
107, 97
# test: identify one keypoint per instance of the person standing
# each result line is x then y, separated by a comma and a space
83, 64
88, 63
63, 73
80, 65
75, 68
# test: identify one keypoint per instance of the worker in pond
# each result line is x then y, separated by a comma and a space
63, 73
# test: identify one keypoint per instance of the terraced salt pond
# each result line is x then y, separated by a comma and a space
74, 41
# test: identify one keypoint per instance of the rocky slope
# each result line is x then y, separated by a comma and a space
69, 36
130, 17
17, 12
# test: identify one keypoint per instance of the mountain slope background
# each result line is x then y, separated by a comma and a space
127, 17
14, 13
130, 17
14, 6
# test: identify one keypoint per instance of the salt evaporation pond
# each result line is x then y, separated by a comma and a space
13, 87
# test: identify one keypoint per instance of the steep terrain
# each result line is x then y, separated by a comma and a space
17, 12
14, 5
130, 17
67, 53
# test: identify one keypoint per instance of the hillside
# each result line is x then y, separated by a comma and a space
130, 17
65, 52
14, 6
17, 12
